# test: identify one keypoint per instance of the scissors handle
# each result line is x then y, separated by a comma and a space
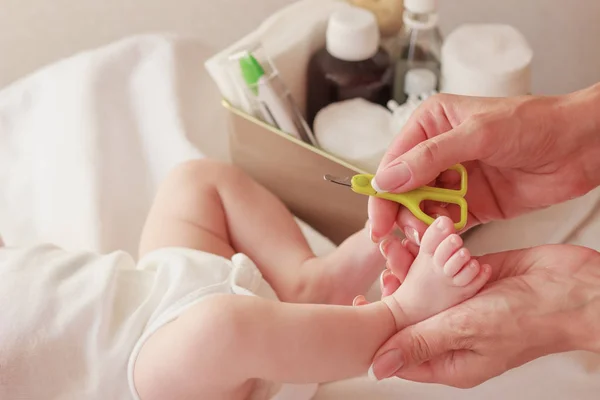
412, 200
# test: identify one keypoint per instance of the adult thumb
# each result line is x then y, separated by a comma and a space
423, 163
411, 347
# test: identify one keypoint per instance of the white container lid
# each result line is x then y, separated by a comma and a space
421, 6
419, 81
353, 34
489, 60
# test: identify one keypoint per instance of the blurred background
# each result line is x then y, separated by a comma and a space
563, 33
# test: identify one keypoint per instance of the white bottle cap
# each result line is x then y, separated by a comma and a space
352, 34
421, 6
419, 81
489, 60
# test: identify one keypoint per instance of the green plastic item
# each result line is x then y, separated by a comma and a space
252, 71
412, 200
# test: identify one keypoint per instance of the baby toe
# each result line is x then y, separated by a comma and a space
467, 274
481, 279
446, 250
399, 259
456, 262
436, 234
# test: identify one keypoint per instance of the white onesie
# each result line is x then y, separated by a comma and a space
72, 323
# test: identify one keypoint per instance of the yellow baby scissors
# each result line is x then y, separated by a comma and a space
412, 200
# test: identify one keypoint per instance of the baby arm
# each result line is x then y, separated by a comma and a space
226, 341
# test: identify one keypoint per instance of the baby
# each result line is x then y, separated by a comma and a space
226, 302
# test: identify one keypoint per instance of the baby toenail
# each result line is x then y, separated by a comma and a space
374, 238
384, 246
441, 224
412, 234
454, 240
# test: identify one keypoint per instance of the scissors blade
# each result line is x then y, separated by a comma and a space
347, 181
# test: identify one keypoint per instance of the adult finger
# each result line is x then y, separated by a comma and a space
424, 162
414, 228
462, 369
382, 215
415, 131
416, 345
388, 283
412, 248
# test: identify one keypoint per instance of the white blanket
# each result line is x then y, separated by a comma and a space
85, 142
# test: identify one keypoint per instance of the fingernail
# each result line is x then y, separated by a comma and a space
357, 300
413, 235
487, 269
383, 247
385, 279
387, 365
376, 186
387, 276
374, 239
392, 177
371, 374
381, 279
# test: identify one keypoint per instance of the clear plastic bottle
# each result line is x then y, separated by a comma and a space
420, 44
389, 19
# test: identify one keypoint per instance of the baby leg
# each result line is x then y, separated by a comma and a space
215, 207
221, 347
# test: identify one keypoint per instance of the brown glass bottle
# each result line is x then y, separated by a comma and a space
352, 65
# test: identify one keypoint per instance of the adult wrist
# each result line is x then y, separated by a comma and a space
581, 321
576, 118
578, 113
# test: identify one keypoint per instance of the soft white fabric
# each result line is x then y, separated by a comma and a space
77, 138
84, 143
73, 322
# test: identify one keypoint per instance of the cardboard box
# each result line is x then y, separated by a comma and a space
294, 171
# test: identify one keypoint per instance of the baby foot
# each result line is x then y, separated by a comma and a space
349, 270
442, 275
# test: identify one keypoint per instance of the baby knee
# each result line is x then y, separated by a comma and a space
205, 171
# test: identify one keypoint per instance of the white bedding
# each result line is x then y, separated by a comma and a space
85, 142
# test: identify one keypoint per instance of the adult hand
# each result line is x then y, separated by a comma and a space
521, 153
540, 301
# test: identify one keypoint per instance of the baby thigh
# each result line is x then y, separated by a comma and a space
196, 356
